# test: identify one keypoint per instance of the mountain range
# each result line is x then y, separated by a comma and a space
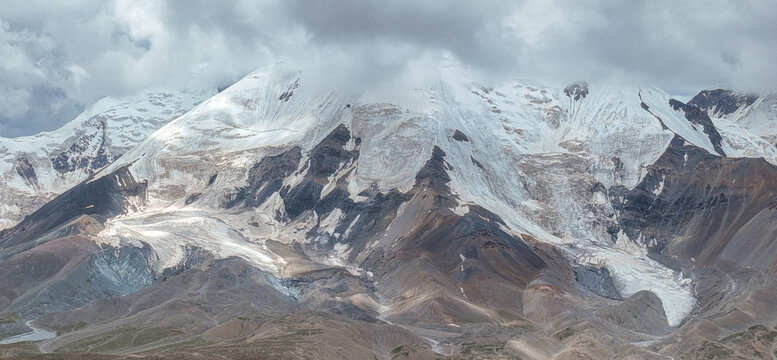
456, 220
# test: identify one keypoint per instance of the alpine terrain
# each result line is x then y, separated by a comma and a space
34, 169
457, 220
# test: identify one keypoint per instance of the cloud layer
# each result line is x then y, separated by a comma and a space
57, 57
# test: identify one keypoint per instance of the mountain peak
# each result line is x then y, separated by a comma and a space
720, 102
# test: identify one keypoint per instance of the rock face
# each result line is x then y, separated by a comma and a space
101, 198
597, 280
642, 312
720, 102
755, 113
576, 91
27, 172
697, 116
458, 220
695, 205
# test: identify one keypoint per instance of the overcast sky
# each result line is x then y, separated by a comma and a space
58, 56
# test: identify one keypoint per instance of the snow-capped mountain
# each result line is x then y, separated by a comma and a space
505, 133
591, 220
757, 114
34, 169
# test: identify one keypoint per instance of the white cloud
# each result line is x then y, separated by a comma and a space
14, 102
56, 57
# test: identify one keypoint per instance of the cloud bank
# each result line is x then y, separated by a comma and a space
57, 57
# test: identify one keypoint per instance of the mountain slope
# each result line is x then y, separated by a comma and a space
455, 220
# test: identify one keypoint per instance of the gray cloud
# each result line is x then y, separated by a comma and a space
57, 57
